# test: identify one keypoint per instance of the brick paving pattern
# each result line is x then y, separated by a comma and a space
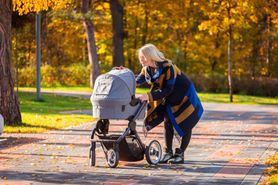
228, 146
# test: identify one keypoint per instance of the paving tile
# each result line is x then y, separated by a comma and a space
228, 146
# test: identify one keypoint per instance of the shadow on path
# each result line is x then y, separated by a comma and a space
10, 142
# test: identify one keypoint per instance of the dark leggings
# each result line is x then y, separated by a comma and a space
169, 136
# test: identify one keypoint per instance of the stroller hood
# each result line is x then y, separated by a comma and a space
116, 86
112, 94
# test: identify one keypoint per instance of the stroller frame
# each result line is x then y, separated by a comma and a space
111, 143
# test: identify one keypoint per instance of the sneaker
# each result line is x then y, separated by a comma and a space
166, 157
178, 157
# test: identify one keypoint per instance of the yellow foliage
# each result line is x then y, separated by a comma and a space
204, 25
101, 7
26, 6
254, 18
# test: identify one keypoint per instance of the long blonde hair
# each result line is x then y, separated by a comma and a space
150, 51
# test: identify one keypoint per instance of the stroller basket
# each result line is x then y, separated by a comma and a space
130, 149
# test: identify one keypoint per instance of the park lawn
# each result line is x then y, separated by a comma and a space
47, 114
63, 88
205, 97
271, 174
238, 98
224, 98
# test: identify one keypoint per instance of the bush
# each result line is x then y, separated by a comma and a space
241, 85
74, 75
78, 75
49, 76
215, 83
258, 86
27, 76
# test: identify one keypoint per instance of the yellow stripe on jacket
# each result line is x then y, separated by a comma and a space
177, 107
185, 114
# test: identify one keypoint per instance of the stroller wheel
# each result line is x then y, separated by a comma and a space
112, 158
153, 152
92, 154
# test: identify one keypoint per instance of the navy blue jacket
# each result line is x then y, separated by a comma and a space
172, 93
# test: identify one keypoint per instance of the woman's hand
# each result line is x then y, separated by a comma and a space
143, 97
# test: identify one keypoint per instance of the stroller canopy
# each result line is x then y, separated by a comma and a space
112, 95
116, 86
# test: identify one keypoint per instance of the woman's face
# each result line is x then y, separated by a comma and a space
144, 61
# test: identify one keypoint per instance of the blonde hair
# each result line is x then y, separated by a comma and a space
150, 51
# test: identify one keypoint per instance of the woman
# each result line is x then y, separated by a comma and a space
172, 99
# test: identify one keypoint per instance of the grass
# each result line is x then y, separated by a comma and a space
225, 98
47, 114
81, 89
271, 174
241, 99
205, 97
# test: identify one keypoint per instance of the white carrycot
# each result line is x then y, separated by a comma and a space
113, 94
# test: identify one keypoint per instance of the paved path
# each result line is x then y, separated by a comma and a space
228, 146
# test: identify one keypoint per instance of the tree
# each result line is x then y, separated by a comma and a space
118, 32
8, 100
91, 42
9, 107
266, 13
223, 17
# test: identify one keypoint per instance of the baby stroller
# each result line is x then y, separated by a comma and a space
114, 98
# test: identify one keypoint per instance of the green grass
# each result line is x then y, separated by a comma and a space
81, 89
205, 97
225, 98
242, 99
46, 114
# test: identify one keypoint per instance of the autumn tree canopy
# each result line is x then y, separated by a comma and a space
9, 103
220, 45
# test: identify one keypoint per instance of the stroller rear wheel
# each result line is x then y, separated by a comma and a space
153, 152
112, 158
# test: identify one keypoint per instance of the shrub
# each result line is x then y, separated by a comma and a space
74, 75
49, 76
218, 83
79, 74
27, 76
215, 83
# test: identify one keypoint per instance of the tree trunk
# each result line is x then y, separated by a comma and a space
230, 65
215, 59
16, 62
9, 107
254, 57
91, 42
146, 22
229, 58
132, 61
118, 32
268, 45
46, 54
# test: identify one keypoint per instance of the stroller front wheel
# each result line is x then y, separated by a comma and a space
153, 152
112, 158
92, 154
